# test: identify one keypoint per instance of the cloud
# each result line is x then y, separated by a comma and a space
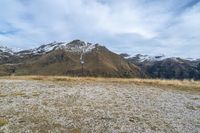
134, 26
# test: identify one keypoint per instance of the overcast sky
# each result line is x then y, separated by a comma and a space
170, 27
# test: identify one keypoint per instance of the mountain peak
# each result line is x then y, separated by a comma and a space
76, 41
125, 55
76, 46
5, 50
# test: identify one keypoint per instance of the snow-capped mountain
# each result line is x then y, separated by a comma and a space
5, 50
75, 46
40, 50
78, 46
62, 58
142, 58
139, 58
167, 67
147, 58
5, 53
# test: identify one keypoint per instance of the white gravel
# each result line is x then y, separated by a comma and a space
94, 107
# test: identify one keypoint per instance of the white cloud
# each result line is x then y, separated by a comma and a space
149, 27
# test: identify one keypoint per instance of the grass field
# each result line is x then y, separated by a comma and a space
85, 105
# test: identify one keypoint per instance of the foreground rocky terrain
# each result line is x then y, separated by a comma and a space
84, 106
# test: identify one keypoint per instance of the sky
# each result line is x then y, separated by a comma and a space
153, 27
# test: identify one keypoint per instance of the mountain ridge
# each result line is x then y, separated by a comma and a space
168, 67
62, 58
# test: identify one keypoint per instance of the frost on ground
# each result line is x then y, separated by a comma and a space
94, 107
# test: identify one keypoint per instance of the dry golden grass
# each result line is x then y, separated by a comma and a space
18, 94
3, 95
14, 94
3, 122
178, 84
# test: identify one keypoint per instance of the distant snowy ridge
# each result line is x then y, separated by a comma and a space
146, 58
5, 50
75, 46
142, 58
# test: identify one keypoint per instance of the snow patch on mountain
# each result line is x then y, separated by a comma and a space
5, 50
47, 48
192, 59
78, 46
75, 46
146, 58
142, 58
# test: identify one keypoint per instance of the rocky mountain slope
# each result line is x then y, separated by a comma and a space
168, 68
5, 54
60, 58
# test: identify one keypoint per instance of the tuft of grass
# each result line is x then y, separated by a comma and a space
22, 94
3, 95
3, 122
19, 94
45, 103
34, 108
37, 78
35, 94
77, 130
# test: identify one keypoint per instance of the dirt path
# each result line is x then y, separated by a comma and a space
62, 107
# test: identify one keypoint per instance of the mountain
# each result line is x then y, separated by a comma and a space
167, 68
139, 58
61, 58
5, 54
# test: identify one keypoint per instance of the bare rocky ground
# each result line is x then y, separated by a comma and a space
28, 106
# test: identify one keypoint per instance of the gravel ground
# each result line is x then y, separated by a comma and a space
95, 107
